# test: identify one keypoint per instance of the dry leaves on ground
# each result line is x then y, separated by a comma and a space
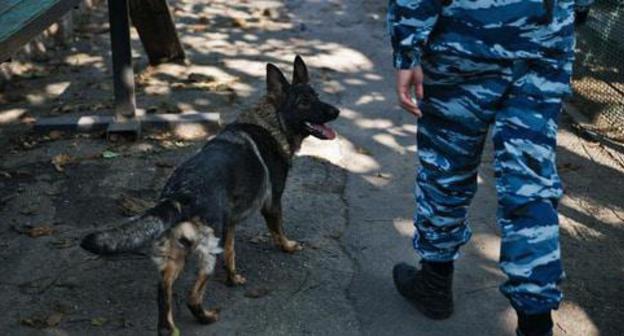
164, 107
257, 292
40, 231
42, 322
63, 243
98, 321
259, 238
59, 161
131, 206
109, 154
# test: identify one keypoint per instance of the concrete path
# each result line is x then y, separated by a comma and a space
349, 201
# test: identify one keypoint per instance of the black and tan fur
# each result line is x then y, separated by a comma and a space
240, 171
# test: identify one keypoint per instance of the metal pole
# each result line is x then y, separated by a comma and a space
123, 74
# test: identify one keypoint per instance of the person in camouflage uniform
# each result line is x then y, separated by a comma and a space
475, 64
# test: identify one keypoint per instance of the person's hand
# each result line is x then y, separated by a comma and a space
408, 82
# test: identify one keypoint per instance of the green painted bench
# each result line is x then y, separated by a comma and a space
21, 20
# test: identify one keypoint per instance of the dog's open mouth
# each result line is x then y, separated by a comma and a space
321, 131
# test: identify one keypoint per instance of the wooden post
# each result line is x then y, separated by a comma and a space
123, 74
154, 23
125, 122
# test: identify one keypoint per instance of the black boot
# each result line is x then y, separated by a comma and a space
429, 289
534, 325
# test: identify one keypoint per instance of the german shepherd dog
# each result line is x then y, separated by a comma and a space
241, 170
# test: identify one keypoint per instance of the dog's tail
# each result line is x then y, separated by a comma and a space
134, 233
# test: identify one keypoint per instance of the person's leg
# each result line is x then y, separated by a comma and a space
459, 98
449, 152
529, 188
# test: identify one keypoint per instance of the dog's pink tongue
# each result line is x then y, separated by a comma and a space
328, 132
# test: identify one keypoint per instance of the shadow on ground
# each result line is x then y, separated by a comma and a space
349, 202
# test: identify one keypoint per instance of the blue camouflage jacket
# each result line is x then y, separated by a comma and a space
482, 29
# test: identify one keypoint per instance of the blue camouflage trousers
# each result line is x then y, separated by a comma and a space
521, 101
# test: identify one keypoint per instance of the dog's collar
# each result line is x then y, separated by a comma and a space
266, 116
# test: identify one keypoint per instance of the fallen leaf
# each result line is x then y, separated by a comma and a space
54, 319
63, 243
161, 135
164, 107
98, 321
61, 160
258, 239
28, 211
271, 13
223, 87
52, 192
99, 106
104, 86
108, 154
167, 144
36, 73
239, 22
257, 292
146, 75
29, 322
29, 144
40, 231
163, 164
363, 151
198, 28
131, 206
198, 77
28, 119
22, 173
180, 144
42, 322
55, 135
203, 20
383, 175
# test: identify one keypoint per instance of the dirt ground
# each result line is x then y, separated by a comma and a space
349, 201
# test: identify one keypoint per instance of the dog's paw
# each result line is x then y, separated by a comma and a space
236, 280
291, 246
207, 316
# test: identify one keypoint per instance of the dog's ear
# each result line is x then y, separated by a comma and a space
277, 85
300, 74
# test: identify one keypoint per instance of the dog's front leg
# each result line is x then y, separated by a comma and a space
273, 217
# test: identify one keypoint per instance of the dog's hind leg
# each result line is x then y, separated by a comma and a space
207, 250
229, 256
169, 253
273, 217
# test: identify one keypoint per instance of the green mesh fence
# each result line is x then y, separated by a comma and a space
599, 70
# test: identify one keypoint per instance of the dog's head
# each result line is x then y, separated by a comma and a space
298, 105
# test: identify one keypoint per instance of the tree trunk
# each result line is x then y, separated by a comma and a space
154, 23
